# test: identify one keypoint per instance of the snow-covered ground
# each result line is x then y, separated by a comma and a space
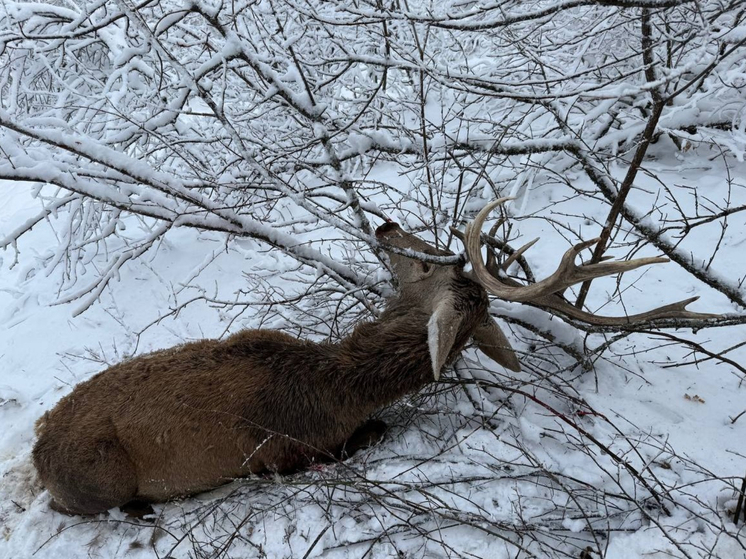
463, 469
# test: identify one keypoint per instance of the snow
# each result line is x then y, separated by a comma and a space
680, 417
247, 220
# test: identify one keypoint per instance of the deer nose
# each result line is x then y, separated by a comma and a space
388, 229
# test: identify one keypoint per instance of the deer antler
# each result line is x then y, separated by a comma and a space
544, 293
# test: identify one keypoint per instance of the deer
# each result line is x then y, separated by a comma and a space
188, 419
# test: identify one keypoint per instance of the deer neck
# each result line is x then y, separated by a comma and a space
382, 361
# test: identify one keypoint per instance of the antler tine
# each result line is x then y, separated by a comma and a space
496, 226
568, 273
472, 245
518, 253
673, 311
491, 261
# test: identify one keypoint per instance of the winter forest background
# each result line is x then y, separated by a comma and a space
173, 170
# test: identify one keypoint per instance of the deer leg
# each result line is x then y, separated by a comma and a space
368, 434
95, 476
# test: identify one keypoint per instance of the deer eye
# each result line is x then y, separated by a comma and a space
425, 267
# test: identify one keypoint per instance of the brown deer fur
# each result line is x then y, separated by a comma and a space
190, 418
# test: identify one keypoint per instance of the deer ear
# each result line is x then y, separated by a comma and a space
441, 334
493, 343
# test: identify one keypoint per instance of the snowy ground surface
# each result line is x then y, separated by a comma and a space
441, 484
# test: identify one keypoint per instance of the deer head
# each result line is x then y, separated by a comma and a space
429, 283
435, 289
